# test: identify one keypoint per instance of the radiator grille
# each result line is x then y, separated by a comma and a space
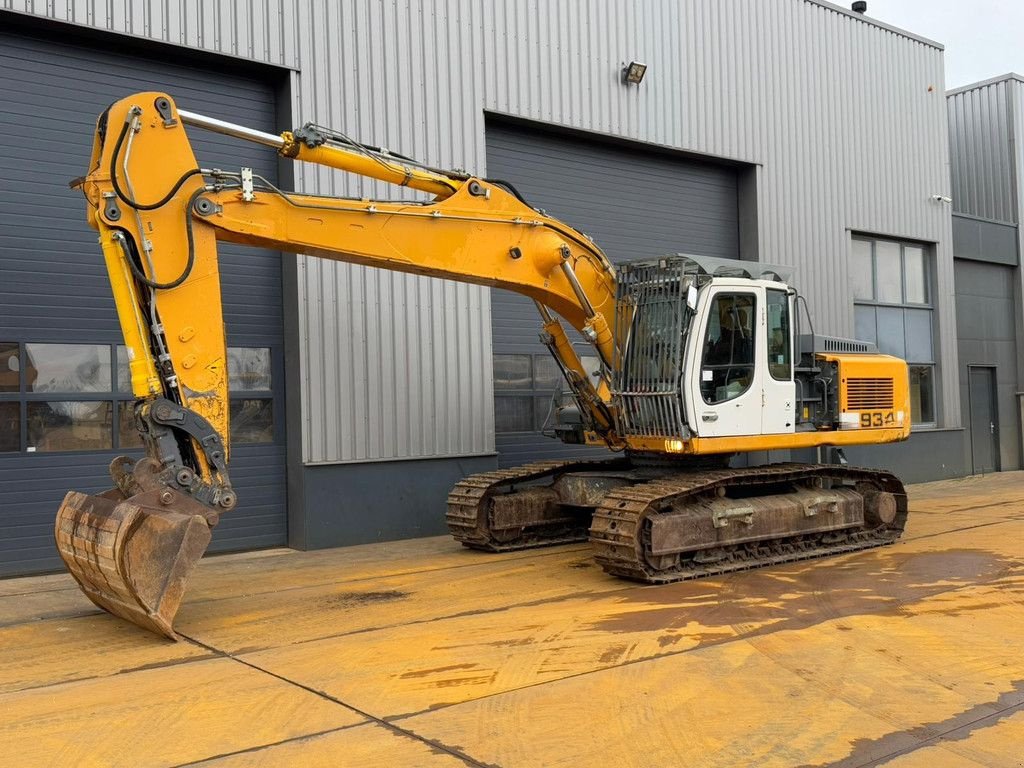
833, 344
869, 394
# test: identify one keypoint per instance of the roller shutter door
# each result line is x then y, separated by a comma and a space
54, 290
635, 202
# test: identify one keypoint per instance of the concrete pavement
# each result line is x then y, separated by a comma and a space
422, 653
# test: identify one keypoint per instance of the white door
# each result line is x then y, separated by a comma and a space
778, 416
725, 395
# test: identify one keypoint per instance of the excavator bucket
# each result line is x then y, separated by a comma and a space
132, 556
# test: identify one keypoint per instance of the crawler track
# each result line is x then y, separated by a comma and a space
620, 529
469, 509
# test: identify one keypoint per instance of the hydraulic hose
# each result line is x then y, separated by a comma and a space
117, 187
132, 258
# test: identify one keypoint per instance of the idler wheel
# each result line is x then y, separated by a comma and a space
879, 507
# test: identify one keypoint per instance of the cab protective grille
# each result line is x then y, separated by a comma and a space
651, 326
869, 394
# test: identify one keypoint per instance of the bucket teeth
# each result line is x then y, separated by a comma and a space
132, 556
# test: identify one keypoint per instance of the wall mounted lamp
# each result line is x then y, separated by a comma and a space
633, 73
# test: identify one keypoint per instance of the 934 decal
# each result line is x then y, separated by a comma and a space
877, 419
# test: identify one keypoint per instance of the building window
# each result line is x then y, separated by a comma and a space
10, 367
63, 397
523, 389
252, 405
922, 389
10, 427
77, 397
892, 293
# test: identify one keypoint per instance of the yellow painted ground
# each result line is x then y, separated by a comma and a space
421, 653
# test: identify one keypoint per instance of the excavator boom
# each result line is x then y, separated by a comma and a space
159, 217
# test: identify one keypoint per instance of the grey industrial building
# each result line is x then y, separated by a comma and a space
787, 131
987, 169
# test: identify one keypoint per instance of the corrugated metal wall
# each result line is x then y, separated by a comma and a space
981, 149
262, 30
412, 376
846, 119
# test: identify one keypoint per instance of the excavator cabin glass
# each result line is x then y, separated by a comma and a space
728, 366
779, 366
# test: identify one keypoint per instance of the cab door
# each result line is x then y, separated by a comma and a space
725, 386
778, 416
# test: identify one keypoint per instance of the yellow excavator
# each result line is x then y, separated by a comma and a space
698, 360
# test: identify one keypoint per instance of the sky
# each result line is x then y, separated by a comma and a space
983, 38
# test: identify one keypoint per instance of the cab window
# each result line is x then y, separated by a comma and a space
727, 370
778, 335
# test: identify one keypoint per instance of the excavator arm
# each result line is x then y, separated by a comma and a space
159, 217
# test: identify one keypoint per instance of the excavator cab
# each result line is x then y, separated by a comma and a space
712, 349
690, 342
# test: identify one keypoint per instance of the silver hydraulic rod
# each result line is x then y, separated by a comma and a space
544, 314
231, 129
581, 295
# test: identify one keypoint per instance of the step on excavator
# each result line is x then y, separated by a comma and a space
697, 361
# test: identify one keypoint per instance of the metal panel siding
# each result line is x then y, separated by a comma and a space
981, 151
260, 30
846, 118
53, 93
1017, 159
395, 366
983, 240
